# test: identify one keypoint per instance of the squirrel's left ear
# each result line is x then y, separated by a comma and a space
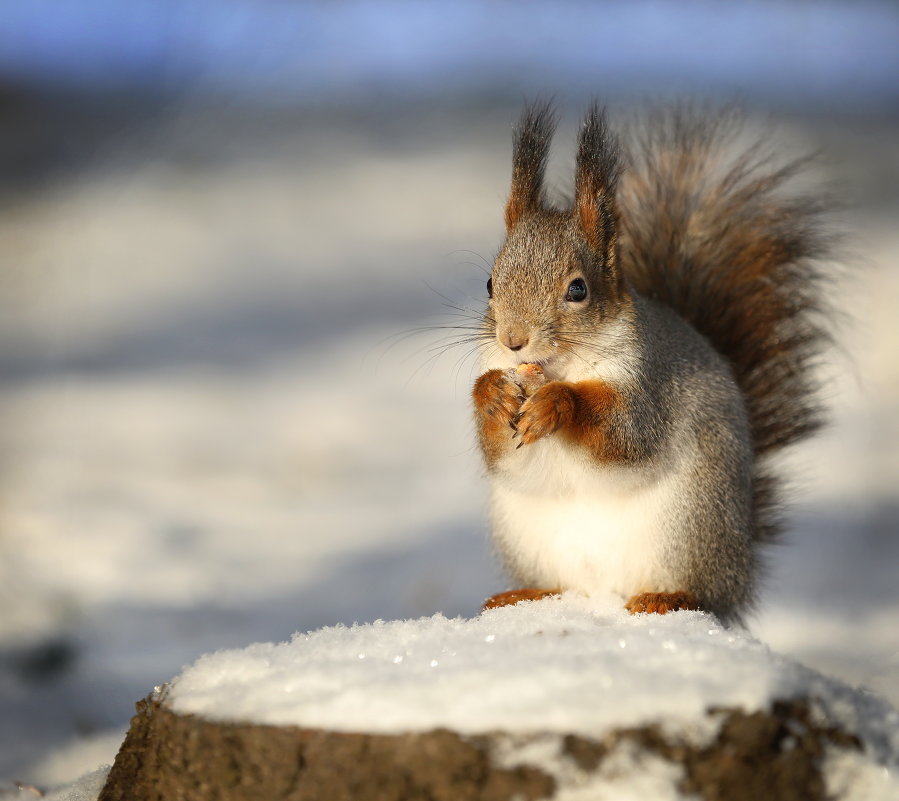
596, 180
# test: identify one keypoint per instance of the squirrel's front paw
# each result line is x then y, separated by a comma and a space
550, 408
497, 397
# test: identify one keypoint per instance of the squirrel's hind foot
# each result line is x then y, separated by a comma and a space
661, 603
511, 597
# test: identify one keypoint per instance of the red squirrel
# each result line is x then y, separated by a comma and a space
672, 315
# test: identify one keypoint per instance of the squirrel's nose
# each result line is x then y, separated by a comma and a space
514, 340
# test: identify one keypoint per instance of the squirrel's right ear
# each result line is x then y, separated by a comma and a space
532, 137
596, 181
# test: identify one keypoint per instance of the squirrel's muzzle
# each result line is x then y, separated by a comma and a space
514, 339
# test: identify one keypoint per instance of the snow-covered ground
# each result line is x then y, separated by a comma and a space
210, 434
564, 665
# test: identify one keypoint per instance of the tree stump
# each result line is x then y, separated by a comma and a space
782, 750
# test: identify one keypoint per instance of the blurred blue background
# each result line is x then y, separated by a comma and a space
825, 54
216, 221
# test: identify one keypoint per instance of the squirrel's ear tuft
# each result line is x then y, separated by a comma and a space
532, 137
596, 180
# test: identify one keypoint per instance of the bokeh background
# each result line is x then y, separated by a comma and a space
219, 219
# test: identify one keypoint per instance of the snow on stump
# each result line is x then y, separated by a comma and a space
557, 699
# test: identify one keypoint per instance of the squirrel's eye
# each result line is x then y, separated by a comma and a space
489, 287
577, 291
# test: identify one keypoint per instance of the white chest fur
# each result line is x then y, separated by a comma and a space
562, 522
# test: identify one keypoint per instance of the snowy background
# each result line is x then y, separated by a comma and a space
216, 221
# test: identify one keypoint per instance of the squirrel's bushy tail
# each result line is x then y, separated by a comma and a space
715, 236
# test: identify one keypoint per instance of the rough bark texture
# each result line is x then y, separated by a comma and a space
171, 757
773, 755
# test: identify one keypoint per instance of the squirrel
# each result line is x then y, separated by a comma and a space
645, 352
